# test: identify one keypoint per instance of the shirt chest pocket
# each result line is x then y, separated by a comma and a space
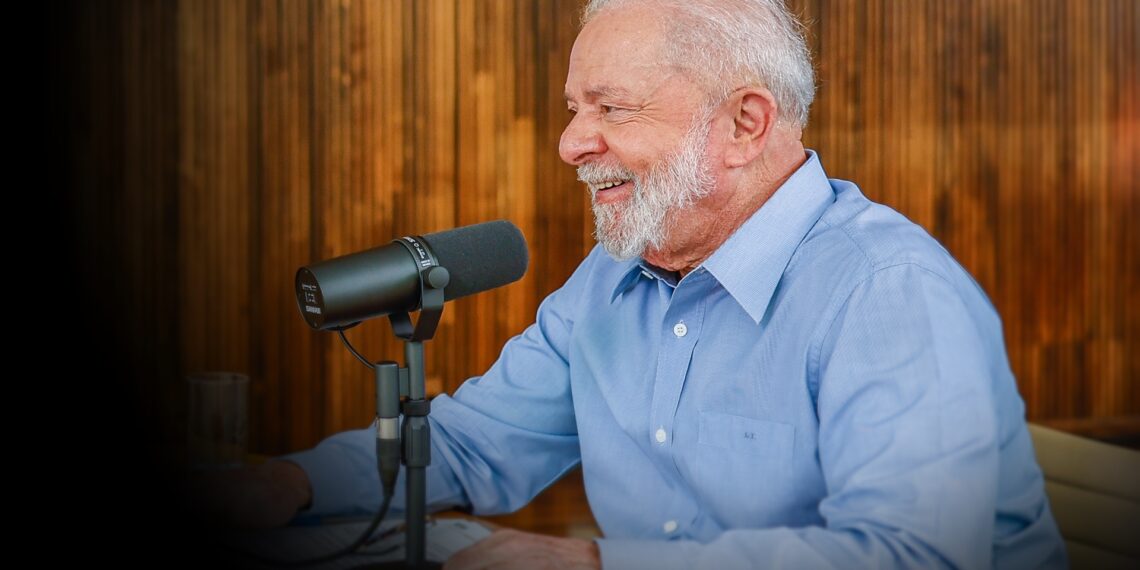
743, 463
746, 437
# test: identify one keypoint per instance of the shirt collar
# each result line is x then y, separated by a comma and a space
750, 263
638, 269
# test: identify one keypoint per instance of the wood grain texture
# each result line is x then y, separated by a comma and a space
214, 147
1010, 131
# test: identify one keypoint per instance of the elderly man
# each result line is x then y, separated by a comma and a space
766, 370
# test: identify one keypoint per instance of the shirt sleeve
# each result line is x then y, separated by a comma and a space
907, 440
497, 443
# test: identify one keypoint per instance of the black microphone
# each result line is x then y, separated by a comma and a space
383, 280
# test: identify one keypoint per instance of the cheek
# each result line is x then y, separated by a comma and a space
638, 154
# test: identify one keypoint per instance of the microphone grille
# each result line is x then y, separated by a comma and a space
480, 256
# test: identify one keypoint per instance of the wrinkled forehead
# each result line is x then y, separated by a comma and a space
618, 49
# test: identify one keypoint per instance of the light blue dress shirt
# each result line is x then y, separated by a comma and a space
829, 389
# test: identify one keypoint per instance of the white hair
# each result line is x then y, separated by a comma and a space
728, 44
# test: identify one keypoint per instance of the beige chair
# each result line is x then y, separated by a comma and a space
1094, 491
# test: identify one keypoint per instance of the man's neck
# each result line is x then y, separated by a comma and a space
698, 232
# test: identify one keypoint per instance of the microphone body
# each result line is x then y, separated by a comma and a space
345, 290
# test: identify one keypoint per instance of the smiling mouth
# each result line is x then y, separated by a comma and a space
610, 191
607, 185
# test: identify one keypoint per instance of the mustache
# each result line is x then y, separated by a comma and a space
594, 173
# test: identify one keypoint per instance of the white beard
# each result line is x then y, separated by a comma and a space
628, 228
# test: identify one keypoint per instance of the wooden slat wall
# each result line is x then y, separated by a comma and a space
215, 146
1011, 131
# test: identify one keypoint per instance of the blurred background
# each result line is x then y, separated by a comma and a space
209, 148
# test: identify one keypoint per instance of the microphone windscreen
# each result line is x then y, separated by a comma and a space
480, 257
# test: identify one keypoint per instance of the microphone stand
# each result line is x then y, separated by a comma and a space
415, 433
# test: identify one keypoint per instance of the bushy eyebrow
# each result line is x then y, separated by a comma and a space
601, 91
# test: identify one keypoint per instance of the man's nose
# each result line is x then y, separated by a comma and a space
580, 141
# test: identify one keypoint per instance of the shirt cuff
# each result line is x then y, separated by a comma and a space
625, 554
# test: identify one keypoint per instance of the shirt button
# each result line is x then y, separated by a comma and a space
680, 330
660, 435
670, 527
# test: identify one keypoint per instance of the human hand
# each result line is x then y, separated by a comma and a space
268, 495
508, 549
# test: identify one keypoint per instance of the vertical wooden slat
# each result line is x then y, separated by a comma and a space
1123, 302
563, 225
433, 194
288, 395
214, 198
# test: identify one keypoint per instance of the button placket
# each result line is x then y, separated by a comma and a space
680, 332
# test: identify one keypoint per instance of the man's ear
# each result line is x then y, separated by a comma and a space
754, 117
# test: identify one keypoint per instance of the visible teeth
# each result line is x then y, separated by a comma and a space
607, 185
